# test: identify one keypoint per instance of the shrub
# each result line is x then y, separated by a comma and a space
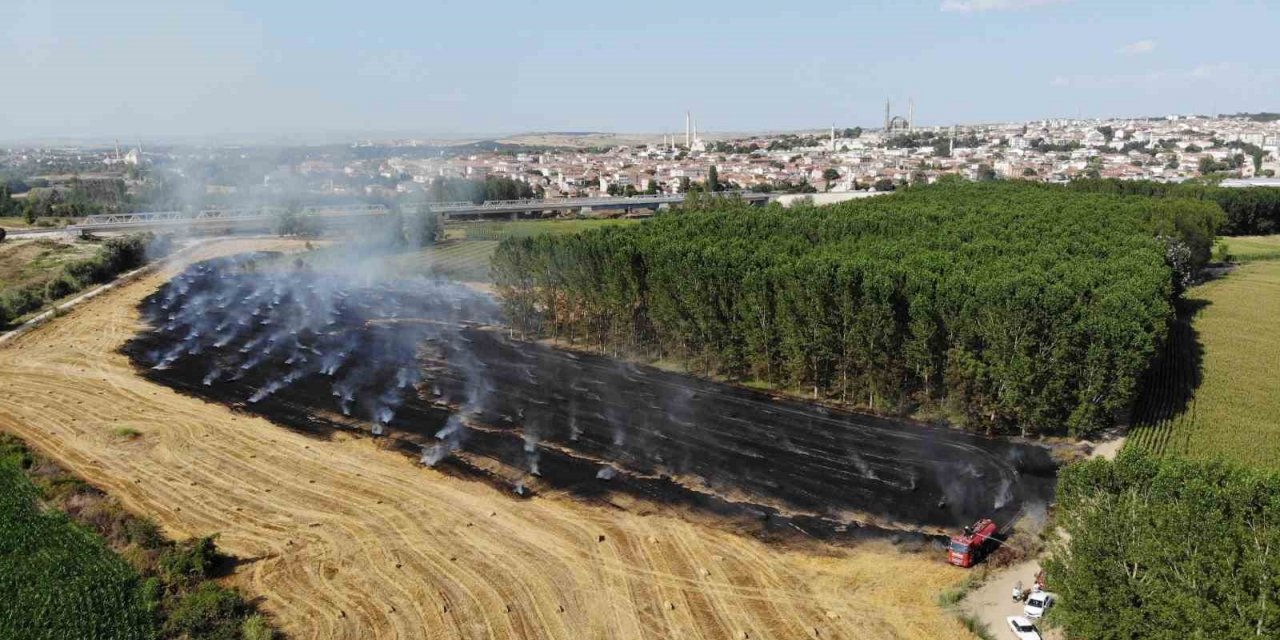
61, 286
144, 533
210, 612
255, 627
188, 561
1223, 253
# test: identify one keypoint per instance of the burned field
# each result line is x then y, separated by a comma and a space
426, 366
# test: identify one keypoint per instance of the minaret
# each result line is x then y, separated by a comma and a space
833, 137
911, 113
688, 141
695, 132
886, 115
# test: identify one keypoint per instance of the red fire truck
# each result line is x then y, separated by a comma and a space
969, 548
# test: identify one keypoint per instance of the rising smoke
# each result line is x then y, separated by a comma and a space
260, 316
411, 358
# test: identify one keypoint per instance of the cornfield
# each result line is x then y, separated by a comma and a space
58, 580
1226, 402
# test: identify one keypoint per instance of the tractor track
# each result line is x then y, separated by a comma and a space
340, 538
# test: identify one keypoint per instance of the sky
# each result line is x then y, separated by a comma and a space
160, 69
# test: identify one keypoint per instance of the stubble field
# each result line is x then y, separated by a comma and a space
342, 539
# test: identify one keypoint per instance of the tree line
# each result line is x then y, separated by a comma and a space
1249, 211
444, 189
1007, 305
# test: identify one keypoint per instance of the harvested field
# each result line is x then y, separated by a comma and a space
344, 539
299, 345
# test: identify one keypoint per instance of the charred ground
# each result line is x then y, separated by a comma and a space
422, 364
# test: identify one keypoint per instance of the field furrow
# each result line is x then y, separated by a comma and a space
344, 540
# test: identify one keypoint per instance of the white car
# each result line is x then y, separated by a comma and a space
1022, 628
1037, 602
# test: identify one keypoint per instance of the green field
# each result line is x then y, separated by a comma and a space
1251, 248
57, 579
465, 254
1228, 339
525, 228
23, 262
464, 260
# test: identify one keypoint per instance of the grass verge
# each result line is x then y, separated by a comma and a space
976, 626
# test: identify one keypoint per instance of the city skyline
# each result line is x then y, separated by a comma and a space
211, 69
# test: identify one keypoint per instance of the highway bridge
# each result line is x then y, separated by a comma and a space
263, 218
240, 219
495, 208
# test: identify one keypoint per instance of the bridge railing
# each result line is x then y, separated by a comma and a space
549, 203
245, 213
145, 217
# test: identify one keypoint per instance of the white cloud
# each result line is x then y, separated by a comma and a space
969, 6
1138, 48
1059, 81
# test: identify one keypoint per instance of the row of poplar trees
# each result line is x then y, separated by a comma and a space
1012, 306
1250, 211
1166, 548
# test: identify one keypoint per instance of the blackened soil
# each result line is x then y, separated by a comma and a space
593, 426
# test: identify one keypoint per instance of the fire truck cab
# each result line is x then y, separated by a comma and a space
968, 548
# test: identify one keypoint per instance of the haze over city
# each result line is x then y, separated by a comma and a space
205, 68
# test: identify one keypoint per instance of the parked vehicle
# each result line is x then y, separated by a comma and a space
1037, 603
1022, 628
968, 548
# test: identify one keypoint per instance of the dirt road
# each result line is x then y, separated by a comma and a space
993, 602
343, 540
